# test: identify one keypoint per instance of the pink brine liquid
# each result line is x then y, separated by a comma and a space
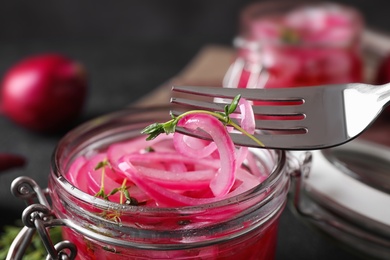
253, 246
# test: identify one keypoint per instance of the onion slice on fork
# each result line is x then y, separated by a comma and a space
222, 182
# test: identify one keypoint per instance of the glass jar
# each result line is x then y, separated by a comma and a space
208, 231
345, 196
296, 43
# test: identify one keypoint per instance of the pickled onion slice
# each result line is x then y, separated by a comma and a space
175, 170
169, 158
246, 181
224, 178
248, 124
178, 180
166, 197
189, 180
193, 147
74, 169
163, 197
116, 151
90, 179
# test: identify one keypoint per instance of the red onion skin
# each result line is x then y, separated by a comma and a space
44, 93
10, 161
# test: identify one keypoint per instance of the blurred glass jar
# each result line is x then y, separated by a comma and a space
297, 43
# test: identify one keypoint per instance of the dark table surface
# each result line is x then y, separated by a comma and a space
120, 72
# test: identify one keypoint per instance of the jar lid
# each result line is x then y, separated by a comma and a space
356, 177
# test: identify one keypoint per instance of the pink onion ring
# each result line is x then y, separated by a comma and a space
224, 178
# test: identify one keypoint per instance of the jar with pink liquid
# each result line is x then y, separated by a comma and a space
296, 43
241, 226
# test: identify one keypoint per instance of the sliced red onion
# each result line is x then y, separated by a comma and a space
224, 178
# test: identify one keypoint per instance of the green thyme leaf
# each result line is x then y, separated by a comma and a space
153, 130
114, 191
149, 149
127, 194
101, 165
169, 127
156, 129
234, 104
101, 194
290, 36
227, 112
36, 250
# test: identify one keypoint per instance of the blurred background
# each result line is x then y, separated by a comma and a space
213, 21
129, 48
109, 36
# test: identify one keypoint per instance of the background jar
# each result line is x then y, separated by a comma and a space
206, 231
296, 43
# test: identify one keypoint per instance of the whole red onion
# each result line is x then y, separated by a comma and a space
44, 93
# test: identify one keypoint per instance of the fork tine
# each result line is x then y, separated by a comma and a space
281, 125
275, 125
276, 94
213, 106
271, 124
271, 110
270, 141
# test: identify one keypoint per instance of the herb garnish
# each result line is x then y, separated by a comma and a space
123, 189
36, 250
169, 127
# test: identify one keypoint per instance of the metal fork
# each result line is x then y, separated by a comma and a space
301, 118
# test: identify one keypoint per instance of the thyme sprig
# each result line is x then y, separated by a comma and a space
102, 165
124, 198
169, 126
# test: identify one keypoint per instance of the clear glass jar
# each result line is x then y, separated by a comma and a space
296, 43
193, 232
346, 195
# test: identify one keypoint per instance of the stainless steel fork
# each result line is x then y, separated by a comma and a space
302, 118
